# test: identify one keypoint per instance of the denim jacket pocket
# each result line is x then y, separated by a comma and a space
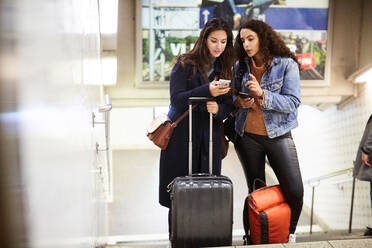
274, 85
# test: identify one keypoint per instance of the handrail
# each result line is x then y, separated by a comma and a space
327, 176
105, 109
311, 182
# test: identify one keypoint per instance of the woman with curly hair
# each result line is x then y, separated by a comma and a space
268, 84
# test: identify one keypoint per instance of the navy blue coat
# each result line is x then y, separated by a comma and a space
174, 159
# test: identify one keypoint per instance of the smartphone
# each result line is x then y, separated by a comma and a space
244, 95
226, 83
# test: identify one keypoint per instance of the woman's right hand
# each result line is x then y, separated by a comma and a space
215, 89
244, 102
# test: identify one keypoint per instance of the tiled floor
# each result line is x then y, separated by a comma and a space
352, 243
334, 239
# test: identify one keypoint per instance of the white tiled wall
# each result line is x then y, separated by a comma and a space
327, 141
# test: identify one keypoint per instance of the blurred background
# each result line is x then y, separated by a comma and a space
81, 80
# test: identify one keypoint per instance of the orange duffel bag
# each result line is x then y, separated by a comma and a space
268, 214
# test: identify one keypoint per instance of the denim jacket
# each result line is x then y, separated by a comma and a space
281, 84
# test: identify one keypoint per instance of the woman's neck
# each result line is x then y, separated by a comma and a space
258, 59
209, 67
211, 60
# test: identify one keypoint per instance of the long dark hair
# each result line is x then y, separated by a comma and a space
271, 44
199, 57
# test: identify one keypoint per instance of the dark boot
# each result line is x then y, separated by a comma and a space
368, 231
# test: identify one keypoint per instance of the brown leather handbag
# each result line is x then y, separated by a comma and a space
161, 135
161, 129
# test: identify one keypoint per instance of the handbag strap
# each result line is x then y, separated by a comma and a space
174, 124
257, 180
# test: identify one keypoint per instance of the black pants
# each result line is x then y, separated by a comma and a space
282, 156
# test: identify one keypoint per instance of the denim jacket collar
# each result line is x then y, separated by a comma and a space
274, 61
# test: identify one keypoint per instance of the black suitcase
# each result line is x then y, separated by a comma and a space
201, 204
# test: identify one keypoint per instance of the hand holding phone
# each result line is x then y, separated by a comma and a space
217, 89
244, 95
226, 83
244, 100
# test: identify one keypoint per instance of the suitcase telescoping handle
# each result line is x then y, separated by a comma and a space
193, 100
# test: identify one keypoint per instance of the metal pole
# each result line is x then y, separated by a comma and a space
352, 206
151, 42
162, 57
210, 144
162, 46
108, 158
190, 139
312, 209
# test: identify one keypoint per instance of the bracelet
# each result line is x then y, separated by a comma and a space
262, 95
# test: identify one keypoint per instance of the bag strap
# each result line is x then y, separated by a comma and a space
257, 180
174, 124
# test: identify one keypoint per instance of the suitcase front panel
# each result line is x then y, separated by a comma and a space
202, 211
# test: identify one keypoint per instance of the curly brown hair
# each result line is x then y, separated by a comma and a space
271, 44
199, 57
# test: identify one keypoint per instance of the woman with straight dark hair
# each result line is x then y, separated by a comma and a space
195, 74
268, 72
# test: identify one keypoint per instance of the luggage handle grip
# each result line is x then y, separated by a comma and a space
200, 175
196, 99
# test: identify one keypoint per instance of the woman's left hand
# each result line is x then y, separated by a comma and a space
216, 89
254, 87
212, 107
365, 159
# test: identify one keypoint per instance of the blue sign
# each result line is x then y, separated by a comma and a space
205, 15
297, 18
282, 18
